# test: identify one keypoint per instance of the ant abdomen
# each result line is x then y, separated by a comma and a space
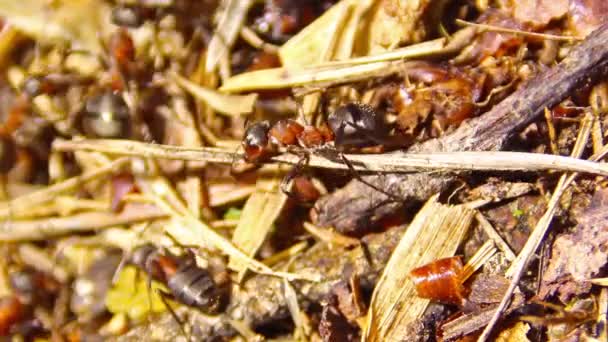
195, 287
357, 125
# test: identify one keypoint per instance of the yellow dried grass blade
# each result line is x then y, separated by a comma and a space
256, 222
230, 23
278, 78
188, 230
341, 71
435, 233
60, 21
310, 44
231, 105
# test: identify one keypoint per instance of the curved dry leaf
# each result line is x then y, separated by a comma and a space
435, 232
232, 105
255, 224
76, 22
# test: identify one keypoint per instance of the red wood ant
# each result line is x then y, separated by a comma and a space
188, 283
352, 127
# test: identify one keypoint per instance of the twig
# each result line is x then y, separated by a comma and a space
551, 131
385, 163
486, 226
517, 268
49, 193
494, 28
36, 230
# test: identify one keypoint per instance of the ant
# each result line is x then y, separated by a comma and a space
188, 283
354, 127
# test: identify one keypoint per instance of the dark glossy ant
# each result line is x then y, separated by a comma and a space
354, 127
106, 115
188, 283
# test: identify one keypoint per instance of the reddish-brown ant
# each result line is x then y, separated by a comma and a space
352, 127
188, 283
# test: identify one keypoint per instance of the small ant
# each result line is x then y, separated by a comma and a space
188, 283
351, 127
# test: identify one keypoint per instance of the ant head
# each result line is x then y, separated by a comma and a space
141, 255
255, 142
357, 125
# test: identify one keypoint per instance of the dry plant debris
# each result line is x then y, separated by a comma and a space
318, 170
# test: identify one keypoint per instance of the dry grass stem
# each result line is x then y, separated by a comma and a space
390, 162
254, 40
285, 254
319, 76
330, 237
599, 281
229, 25
40, 260
483, 254
37, 230
189, 230
24, 202
518, 266
231, 105
551, 131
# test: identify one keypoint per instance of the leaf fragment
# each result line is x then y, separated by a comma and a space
435, 233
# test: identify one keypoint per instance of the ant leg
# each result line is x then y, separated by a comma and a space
357, 176
297, 169
163, 297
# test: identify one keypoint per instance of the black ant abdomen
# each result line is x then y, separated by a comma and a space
357, 125
188, 284
195, 287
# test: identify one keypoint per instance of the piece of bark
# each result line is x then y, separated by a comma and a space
579, 255
357, 207
260, 302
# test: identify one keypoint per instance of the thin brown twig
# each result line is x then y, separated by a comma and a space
51, 192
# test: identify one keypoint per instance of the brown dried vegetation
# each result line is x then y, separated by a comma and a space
334, 170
